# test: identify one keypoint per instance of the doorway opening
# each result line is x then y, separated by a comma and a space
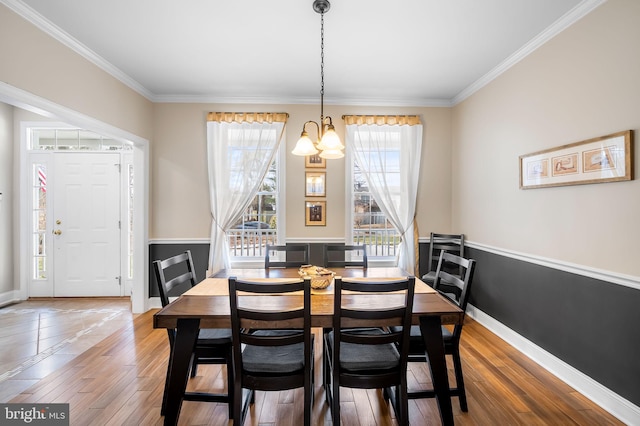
32, 108
80, 239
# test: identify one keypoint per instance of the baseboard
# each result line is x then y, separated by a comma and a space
9, 297
154, 302
619, 407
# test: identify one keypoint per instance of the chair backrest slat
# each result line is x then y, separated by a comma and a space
296, 255
249, 316
335, 255
393, 311
460, 287
170, 267
451, 243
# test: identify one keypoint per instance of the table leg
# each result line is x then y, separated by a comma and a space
186, 335
431, 330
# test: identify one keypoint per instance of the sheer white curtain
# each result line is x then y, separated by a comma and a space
389, 158
239, 155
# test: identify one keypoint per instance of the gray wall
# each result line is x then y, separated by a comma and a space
591, 325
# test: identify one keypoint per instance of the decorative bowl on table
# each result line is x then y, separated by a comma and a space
320, 277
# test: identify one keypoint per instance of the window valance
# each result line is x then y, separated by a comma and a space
381, 120
248, 117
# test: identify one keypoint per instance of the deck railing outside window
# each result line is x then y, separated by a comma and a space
250, 242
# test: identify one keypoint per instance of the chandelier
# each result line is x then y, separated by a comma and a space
328, 142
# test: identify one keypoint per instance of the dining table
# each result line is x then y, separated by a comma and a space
206, 305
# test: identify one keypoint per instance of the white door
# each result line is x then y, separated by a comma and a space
86, 225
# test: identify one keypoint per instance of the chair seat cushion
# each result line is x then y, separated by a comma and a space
355, 357
430, 278
273, 359
416, 344
214, 336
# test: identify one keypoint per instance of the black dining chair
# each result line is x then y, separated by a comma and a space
295, 255
451, 243
344, 256
213, 345
370, 356
268, 357
458, 290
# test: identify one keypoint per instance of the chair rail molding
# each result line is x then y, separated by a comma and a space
587, 271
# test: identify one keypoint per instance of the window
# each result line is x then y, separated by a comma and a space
368, 224
258, 225
246, 163
384, 160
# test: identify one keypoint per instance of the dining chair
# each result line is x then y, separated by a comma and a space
373, 356
451, 243
268, 357
344, 256
295, 255
213, 345
458, 290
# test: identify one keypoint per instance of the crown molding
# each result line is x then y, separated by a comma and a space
210, 99
60, 35
574, 15
568, 19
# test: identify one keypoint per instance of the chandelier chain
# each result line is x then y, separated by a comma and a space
321, 67
327, 144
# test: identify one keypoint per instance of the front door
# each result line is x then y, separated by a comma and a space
86, 224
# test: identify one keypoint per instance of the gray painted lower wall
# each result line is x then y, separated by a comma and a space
590, 324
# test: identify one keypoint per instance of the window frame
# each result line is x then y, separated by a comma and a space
280, 195
388, 260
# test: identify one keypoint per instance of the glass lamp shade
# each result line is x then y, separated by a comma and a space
330, 140
331, 154
304, 146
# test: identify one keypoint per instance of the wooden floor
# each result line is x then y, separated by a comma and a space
119, 381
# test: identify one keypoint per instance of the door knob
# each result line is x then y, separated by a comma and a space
57, 232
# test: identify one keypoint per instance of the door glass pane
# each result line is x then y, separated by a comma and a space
74, 139
130, 222
39, 225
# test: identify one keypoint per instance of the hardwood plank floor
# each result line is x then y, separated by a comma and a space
39, 336
118, 380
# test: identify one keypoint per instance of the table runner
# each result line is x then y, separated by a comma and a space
220, 286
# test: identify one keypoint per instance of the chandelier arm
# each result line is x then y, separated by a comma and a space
304, 126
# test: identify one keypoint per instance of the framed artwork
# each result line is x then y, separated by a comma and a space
315, 161
315, 213
603, 159
315, 184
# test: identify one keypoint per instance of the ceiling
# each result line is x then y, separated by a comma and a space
377, 52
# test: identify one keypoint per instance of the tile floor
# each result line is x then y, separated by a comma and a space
38, 336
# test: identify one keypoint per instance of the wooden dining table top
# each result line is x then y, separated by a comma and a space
209, 299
